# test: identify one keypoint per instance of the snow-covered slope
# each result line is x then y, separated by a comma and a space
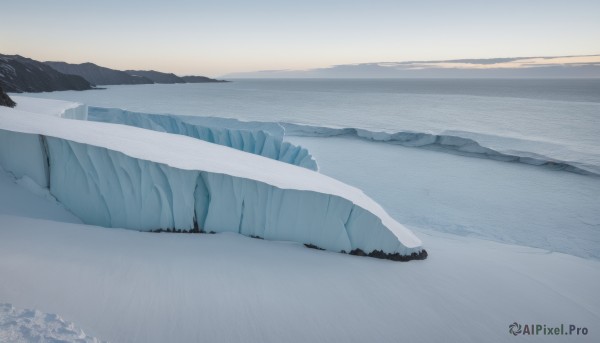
227, 132
123, 176
127, 286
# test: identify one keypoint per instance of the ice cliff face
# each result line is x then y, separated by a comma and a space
126, 177
214, 130
108, 188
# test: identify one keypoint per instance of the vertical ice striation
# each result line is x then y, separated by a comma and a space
132, 178
108, 188
263, 139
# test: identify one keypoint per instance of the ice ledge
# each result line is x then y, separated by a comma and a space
56, 108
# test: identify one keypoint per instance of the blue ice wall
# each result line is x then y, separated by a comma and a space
108, 188
248, 137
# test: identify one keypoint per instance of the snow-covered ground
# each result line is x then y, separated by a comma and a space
128, 286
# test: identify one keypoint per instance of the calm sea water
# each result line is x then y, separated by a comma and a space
555, 118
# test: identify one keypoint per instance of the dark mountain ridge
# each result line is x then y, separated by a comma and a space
98, 75
170, 78
20, 74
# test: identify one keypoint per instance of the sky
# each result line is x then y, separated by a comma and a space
214, 38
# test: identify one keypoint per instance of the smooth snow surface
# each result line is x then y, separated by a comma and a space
34, 326
94, 167
128, 286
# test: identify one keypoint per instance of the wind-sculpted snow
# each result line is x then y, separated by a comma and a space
34, 326
127, 177
451, 142
257, 138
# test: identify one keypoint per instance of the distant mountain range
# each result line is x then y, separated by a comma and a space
587, 66
98, 75
20, 74
156, 76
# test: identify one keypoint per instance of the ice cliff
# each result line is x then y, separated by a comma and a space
227, 132
127, 177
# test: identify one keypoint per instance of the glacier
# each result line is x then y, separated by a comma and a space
127, 177
257, 138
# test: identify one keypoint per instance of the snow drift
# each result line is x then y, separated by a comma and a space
215, 130
127, 177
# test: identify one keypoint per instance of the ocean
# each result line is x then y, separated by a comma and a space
543, 120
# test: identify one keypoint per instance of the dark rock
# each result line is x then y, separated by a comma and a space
312, 246
19, 74
98, 75
194, 230
5, 100
170, 78
200, 79
156, 76
394, 257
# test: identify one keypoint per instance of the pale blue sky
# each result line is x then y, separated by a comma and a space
218, 37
